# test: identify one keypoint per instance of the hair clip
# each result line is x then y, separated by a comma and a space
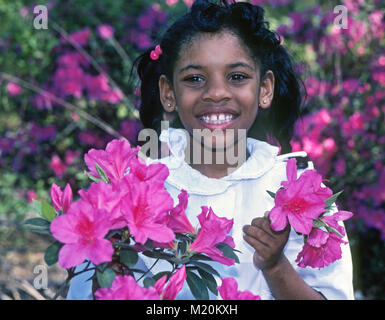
154, 55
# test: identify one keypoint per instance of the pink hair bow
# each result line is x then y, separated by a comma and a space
154, 55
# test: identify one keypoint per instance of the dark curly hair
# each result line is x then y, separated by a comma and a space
247, 22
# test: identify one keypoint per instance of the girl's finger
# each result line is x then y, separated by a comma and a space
263, 224
256, 244
257, 234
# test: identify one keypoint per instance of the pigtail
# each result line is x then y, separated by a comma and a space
289, 96
149, 72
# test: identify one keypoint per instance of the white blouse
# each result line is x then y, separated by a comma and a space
241, 196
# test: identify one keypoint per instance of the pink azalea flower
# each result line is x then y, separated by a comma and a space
71, 156
69, 81
13, 89
58, 167
126, 288
105, 31
145, 209
103, 196
80, 37
300, 201
213, 231
114, 160
61, 200
82, 230
178, 221
323, 248
175, 284
155, 173
229, 291
31, 194
113, 96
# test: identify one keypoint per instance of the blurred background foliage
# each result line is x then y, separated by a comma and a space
67, 89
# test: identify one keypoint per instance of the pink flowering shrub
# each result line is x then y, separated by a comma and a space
303, 203
126, 214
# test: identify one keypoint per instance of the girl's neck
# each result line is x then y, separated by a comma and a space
217, 163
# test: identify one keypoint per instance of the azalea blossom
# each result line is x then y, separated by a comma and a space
155, 173
114, 160
178, 220
213, 231
299, 201
323, 248
145, 209
57, 165
61, 200
79, 37
105, 31
229, 291
82, 230
13, 89
175, 284
103, 196
126, 288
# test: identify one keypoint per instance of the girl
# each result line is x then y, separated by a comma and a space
221, 72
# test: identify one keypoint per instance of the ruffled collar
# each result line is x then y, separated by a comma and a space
262, 158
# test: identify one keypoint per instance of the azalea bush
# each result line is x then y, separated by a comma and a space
126, 214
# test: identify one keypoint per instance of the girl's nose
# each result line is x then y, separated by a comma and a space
216, 91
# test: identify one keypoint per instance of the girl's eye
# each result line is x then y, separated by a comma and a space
194, 79
238, 77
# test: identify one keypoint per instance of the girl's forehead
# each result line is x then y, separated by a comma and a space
214, 48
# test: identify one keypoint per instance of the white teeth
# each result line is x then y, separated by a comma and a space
218, 118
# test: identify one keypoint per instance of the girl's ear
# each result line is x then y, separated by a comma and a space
167, 97
266, 92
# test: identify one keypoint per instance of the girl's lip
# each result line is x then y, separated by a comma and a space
213, 126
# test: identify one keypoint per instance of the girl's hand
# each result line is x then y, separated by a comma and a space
268, 244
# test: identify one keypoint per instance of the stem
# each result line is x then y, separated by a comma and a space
148, 270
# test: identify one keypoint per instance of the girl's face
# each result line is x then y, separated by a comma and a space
216, 86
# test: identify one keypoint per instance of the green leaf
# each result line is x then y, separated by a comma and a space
329, 201
206, 267
271, 194
159, 275
197, 286
106, 277
37, 225
37, 206
93, 178
227, 251
159, 255
210, 281
47, 211
129, 257
148, 282
52, 253
101, 173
